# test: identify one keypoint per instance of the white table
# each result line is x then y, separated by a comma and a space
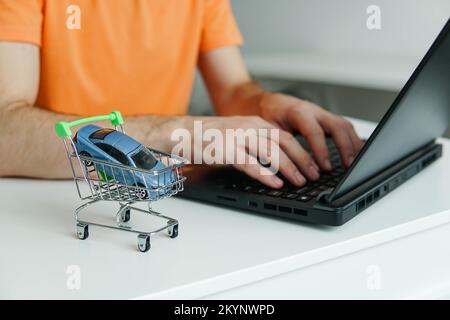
398, 248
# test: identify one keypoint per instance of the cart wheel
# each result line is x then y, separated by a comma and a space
173, 231
125, 216
143, 242
141, 192
82, 231
87, 163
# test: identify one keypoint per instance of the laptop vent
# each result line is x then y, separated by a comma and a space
270, 206
368, 200
283, 209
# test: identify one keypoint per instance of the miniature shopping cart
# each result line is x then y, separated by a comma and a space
98, 180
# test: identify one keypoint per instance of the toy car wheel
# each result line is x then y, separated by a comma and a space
173, 231
141, 193
87, 163
125, 216
143, 242
82, 231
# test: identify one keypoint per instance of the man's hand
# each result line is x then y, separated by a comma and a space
288, 115
314, 123
293, 162
234, 93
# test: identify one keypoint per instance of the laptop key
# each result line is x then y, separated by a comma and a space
323, 188
301, 190
274, 193
260, 190
322, 181
233, 186
331, 184
314, 193
335, 174
286, 188
304, 198
289, 195
326, 176
312, 184
335, 162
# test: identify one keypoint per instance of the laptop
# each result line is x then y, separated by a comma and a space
402, 145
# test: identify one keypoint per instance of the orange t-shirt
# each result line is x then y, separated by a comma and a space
137, 56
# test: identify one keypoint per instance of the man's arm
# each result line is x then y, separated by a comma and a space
233, 92
28, 144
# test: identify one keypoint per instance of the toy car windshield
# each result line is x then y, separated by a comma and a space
101, 134
144, 159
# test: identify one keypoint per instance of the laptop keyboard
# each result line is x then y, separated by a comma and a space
328, 180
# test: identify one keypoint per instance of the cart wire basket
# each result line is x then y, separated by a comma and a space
98, 180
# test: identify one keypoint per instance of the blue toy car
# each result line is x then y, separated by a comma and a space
118, 148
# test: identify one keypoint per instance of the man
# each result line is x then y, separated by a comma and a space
63, 59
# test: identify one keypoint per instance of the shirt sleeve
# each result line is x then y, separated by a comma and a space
21, 20
219, 26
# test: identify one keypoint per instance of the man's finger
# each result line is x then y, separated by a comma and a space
356, 140
299, 156
260, 173
339, 131
314, 134
285, 165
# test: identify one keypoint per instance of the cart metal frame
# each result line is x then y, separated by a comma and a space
94, 185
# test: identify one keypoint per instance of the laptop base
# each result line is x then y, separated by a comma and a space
212, 184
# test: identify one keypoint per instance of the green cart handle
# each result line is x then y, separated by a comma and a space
62, 128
